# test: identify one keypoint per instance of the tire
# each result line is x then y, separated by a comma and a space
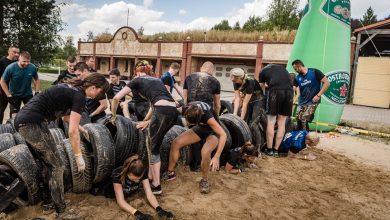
142, 150
11, 121
124, 136
7, 128
258, 132
21, 161
59, 137
226, 107
13, 190
85, 119
185, 155
103, 152
238, 129
19, 139
181, 121
82, 181
6, 141
228, 143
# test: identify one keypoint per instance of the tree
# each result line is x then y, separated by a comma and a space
254, 23
90, 36
69, 48
140, 31
33, 26
237, 26
355, 23
103, 37
223, 26
369, 17
283, 15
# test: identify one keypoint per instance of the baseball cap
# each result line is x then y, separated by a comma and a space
237, 72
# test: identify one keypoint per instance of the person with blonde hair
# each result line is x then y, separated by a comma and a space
248, 95
295, 141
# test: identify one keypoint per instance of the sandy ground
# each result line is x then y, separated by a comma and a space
332, 187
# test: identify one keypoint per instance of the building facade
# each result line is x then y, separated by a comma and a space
126, 48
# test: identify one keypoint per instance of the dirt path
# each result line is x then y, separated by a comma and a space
333, 186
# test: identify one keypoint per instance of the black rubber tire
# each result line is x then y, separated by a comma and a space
7, 128
82, 181
185, 152
19, 139
226, 107
21, 161
13, 191
142, 151
6, 141
59, 137
258, 132
85, 119
124, 135
228, 143
238, 129
103, 152
180, 121
11, 121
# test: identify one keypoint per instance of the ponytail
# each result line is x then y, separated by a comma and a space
133, 165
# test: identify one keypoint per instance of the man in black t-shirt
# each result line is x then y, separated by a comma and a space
276, 82
247, 95
203, 87
69, 72
13, 54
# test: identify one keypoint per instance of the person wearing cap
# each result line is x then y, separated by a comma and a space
248, 96
162, 114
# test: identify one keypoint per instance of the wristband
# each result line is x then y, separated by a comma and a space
134, 211
318, 96
158, 208
77, 155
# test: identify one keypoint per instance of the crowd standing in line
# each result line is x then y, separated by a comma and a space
82, 90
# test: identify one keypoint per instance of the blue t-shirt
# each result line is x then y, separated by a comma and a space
19, 80
293, 141
309, 85
168, 80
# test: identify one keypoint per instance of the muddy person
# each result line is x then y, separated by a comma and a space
309, 82
248, 96
125, 181
69, 72
94, 107
276, 82
295, 141
31, 122
116, 85
162, 114
203, 87
169, 79
205, 128
19, 76
13, 54
238, 157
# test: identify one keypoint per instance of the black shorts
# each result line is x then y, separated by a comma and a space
15, 108
279, 102
203, 131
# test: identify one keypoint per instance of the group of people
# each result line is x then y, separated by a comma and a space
83, 91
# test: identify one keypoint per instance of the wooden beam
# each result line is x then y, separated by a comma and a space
355, 63
366, 41
376, 31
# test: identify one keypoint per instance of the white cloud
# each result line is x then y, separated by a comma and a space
148, 3
182, 12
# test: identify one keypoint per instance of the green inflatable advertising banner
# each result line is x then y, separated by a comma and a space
323, 42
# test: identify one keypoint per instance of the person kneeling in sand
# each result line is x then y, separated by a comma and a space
238, 157
295, 141
206, 127
126, 180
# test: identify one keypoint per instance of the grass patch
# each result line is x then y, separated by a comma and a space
45, 84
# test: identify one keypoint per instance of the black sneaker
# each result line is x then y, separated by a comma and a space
269, 152
48, 208
276, 154
171, 175
156, 190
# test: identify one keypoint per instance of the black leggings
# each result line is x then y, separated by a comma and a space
45, 150
254, 109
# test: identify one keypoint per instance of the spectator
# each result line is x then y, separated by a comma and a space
309, 83
276, 82
19, 76
13, 54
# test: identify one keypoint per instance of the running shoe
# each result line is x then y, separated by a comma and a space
171, 175
48, 208
156, 190
276, 154
269, 152
204, 186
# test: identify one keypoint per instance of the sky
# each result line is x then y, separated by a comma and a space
157, 16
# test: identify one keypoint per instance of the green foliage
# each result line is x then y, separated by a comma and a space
33, 26
45, 84
254, 23
49, 70
65, 50
223, 26
237, 26
369, 17
90, 36
283, 15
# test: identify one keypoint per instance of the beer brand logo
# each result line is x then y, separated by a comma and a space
338, 90
339, 10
